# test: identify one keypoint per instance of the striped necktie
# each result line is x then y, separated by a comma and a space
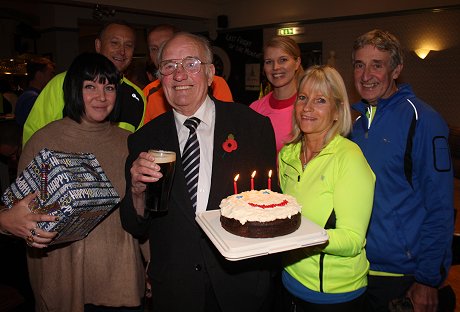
191, 158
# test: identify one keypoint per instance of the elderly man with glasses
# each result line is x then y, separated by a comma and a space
187, 271
154, 93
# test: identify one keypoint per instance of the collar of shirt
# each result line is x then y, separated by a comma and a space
206, 113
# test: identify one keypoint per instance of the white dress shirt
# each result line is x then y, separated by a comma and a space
205, 133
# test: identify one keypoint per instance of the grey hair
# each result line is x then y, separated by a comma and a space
382, 40
200, 40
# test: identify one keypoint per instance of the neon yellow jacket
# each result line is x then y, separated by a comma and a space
339, 179
50, 103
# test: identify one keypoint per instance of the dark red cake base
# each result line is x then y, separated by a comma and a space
253, 229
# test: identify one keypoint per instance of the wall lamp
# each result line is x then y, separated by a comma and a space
422, 53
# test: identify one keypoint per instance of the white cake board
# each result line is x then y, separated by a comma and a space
234, 247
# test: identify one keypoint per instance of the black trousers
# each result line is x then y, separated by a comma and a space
356, 305
382, 289
286, 302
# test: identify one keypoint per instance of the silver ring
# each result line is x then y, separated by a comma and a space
33, 232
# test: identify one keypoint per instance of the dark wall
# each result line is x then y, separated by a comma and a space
235, 50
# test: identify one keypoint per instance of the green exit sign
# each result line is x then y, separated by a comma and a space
290, 31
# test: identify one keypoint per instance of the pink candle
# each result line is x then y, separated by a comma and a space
252, 180
270, 180
235, 187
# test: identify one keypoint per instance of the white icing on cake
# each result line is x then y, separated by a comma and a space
260, 206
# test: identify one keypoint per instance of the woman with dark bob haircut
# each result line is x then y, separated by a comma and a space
105, 268
88, 66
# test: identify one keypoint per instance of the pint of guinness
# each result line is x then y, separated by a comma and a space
157, 193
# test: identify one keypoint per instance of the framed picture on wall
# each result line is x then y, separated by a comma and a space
311, 53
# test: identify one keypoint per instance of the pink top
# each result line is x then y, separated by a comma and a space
280, 114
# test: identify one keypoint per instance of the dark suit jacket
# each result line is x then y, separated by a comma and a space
184, 263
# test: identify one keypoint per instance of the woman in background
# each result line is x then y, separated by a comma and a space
282, 67
105, 268
333, 182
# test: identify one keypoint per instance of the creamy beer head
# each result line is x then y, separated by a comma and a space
162, 157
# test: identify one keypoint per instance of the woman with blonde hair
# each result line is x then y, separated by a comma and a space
331, 179
282, 67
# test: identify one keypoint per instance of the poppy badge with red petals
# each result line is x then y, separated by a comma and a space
230, 144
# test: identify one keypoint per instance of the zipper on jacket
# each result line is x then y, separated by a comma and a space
330, 224
369, 116
321, 270
369, 120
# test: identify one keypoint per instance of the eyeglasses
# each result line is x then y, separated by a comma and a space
190, 64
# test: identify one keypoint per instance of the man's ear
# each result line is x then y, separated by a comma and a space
97, 45
397, 71
211, 72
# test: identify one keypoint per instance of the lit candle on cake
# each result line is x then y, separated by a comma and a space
252, 180
235, 187
270, 179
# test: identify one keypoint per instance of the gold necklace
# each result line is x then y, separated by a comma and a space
304, 165
304, 147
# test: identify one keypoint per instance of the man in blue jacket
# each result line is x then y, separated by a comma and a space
405, 142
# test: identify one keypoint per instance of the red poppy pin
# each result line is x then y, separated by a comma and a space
230, 144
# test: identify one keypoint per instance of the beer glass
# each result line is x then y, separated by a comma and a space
157, 193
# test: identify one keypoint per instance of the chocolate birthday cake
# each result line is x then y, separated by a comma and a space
260, 214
